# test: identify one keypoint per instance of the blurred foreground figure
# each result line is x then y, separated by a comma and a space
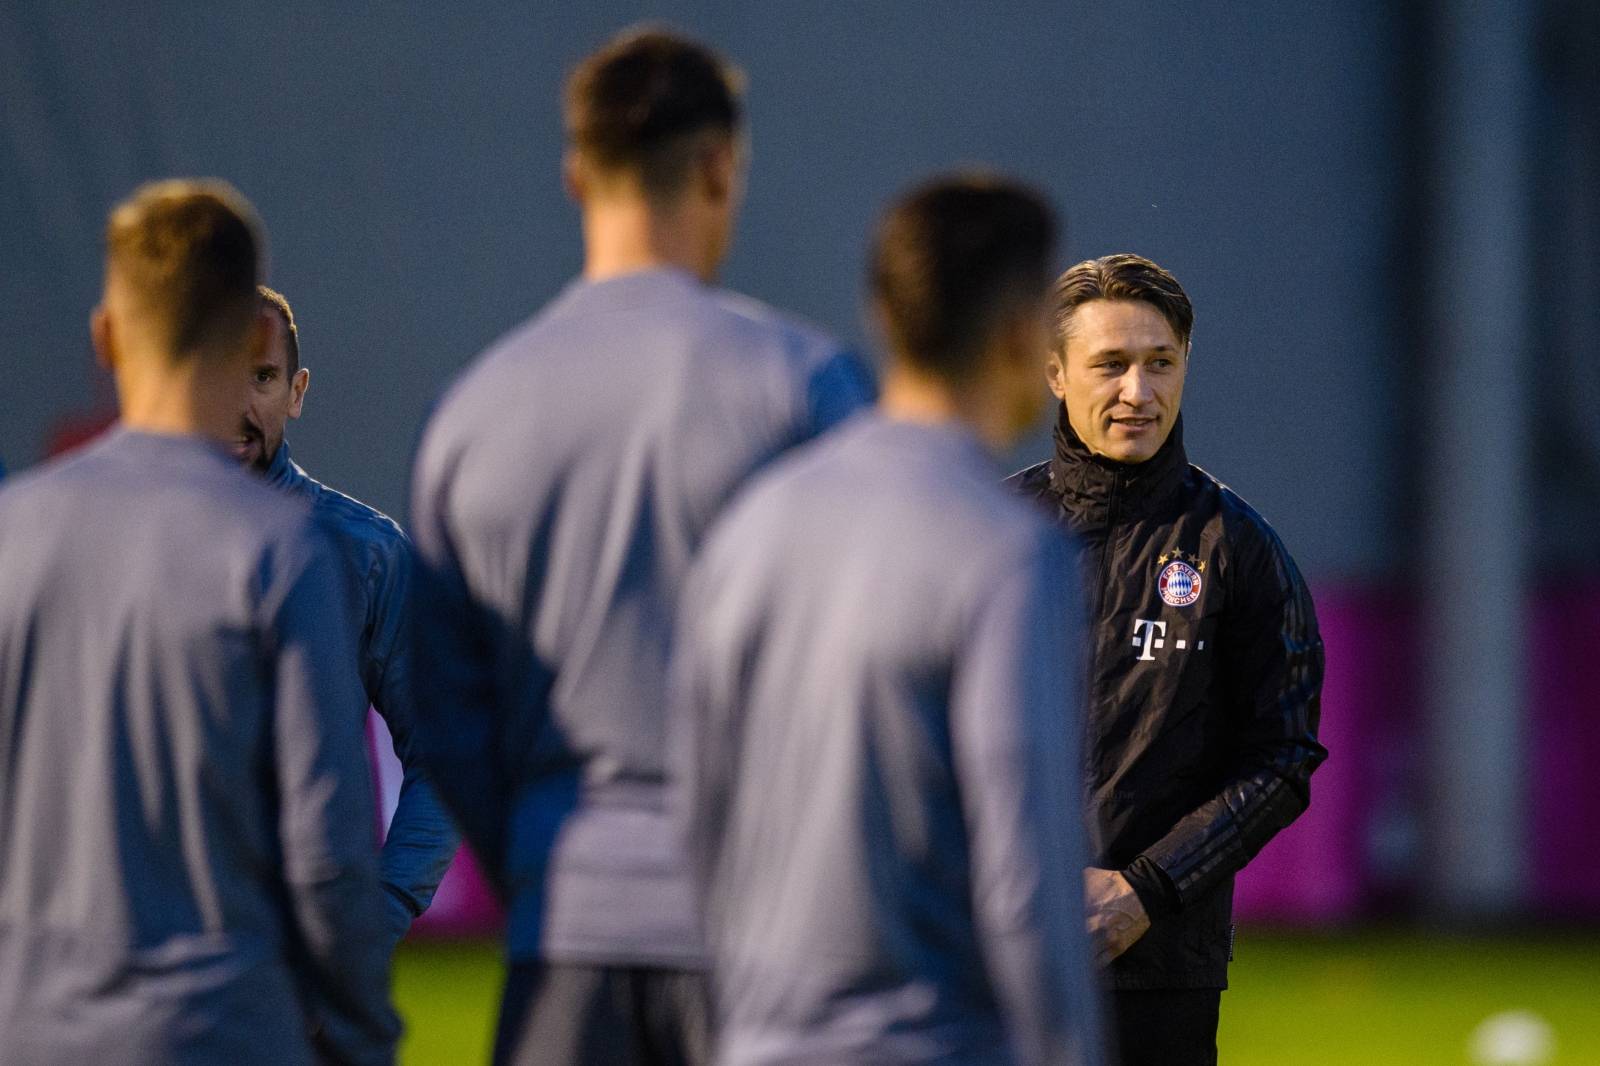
187, 864
560, 491
1206, 668
375, 563
878, 696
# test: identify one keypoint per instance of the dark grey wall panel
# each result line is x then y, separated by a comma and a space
405, 159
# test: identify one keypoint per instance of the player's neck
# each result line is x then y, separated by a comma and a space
911, 396
178, 401
626, 236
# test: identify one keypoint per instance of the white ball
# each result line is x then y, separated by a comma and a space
1512, 1038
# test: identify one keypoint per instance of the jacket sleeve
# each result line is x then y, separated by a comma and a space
1015, 737
1271, 660
458, 731
422, 839
838, 388
326, 814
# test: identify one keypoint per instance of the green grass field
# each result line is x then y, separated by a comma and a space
1345, 1000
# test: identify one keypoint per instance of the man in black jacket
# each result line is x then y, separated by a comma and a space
1206, 666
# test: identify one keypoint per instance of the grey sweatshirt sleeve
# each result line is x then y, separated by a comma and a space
1015, 724
458, 729
326, 813
701, 738
422, 839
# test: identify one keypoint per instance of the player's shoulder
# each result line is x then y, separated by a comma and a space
348, 517
941, 479
813, 477
245, 511
1031, 482
799, 472
175, 469
180, 492
1246, 531
357, 517
1208, 492
482, 393
61, 473
485, 374
25, 485
784, 332
39, 496
1020, 529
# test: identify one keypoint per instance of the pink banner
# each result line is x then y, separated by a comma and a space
1564, 742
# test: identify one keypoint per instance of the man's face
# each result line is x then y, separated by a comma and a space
274, 397
1121, 378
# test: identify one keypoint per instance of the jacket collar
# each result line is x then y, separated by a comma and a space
283, 472
1094, 491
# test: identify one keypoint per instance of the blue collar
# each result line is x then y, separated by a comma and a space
283, 472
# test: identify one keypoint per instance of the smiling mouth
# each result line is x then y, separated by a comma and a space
1133, 423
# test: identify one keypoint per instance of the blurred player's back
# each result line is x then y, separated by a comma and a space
571, 499
876, 702
843, 617
559, 493
140, 869
187, 865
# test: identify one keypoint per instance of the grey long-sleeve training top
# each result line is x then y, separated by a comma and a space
375, 556
187, 854
561, 488
877, 712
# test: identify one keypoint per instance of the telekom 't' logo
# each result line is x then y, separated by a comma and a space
1150, 635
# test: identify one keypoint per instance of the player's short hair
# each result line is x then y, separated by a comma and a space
951, 259
1124, 276
188, 254
644, 102
280, 303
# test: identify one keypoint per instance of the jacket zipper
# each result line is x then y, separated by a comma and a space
1105, 546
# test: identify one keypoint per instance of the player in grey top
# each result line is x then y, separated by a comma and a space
560, 491
376, 568
875, 703
187, 865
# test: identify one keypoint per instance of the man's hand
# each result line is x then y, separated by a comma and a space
1116, 917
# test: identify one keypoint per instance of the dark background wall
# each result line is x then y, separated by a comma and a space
405, 159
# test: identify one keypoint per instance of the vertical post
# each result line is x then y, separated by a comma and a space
1475, 392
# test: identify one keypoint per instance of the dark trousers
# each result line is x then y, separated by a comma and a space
560, 1014
1166, 1027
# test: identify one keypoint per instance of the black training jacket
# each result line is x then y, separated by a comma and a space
1205, 677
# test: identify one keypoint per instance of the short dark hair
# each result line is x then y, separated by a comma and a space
640, 103
188, 253
1124, 276
951, 258
280, 303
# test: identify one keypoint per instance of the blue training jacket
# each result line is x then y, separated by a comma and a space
377, 568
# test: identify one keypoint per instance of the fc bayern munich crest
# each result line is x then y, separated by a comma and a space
1179, 584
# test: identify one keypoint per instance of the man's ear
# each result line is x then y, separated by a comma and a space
574, 177
100, 334
297, 391
1056, 374
718, 163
